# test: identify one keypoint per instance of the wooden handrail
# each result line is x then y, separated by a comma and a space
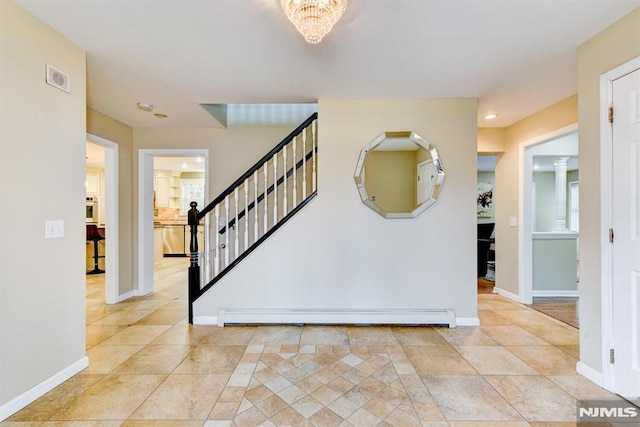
257, 166
270, 189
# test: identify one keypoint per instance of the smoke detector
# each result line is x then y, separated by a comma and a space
145, 106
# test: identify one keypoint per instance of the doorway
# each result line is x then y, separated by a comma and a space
526, 230
108, 198
149, 196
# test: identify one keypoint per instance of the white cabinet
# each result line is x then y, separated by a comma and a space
162, 191
167, 188
93, 183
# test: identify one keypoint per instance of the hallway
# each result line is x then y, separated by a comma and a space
148, 367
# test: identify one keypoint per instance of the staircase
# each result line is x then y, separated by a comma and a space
251, 209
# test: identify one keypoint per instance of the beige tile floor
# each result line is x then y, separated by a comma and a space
149, 367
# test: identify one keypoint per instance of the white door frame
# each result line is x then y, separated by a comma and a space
525, 178
145, 207
112, 261
606, 213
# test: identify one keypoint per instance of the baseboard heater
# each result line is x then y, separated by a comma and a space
230, 316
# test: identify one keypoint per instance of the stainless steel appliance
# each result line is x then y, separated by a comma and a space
92, 209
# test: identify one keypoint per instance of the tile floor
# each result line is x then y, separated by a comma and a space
148, 367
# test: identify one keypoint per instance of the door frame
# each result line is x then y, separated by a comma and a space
145, 207
112, 260
606, 213
525, 178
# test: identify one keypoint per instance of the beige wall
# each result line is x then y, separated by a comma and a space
105, 127
491, 140
612, 47
557, 116
341, 254
42, 141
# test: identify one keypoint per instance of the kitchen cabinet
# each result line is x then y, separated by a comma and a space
93, 183
157, 244
199, 237
167, 188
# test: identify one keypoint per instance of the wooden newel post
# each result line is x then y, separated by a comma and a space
194, 268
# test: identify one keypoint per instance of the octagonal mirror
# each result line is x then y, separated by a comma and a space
399, 174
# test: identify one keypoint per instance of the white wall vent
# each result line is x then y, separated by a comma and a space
57, 78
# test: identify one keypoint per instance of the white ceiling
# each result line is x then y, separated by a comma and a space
516, 56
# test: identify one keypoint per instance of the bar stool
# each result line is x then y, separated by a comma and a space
94, 236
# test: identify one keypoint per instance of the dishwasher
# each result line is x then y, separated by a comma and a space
173, 241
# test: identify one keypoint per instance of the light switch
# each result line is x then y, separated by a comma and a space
513, 221
54, 229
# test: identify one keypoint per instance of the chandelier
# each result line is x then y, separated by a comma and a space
314, 18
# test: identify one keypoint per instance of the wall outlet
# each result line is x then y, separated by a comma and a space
513, 221
54, 229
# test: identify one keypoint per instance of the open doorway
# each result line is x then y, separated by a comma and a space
102, 212
549, 230
168, 180
486, 223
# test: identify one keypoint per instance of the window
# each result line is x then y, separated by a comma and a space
191, 190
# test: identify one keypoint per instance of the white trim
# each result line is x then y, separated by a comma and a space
554, 235
127, 295
525, 179
112, 257
606, 214
468, 321
554, 294
145, 207
506, 294
41, 389
206, 320
336, 316
589, 373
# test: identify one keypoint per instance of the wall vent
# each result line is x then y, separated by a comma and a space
57, 78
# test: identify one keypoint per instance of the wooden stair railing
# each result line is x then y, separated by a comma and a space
265, 197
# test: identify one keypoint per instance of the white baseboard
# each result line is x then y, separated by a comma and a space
39, 390
335, 316
127, 295
468, 321
589, 373
206, 320
545, 293
506, 294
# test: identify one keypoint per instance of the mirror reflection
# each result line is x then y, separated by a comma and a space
399, 174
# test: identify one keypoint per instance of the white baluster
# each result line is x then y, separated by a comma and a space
266, 205
227, 230
275, 189
284, 178
246, 214
235, 225
304, 164
314, 144
255, 206
295, 181
216, 250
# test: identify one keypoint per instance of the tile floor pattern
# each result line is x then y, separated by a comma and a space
148, 367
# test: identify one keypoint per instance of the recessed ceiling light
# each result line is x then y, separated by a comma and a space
185, 165
145, 106
536, 166
199, 159
160, 115
490, 116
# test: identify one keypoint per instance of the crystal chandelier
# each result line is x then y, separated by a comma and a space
314, 18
